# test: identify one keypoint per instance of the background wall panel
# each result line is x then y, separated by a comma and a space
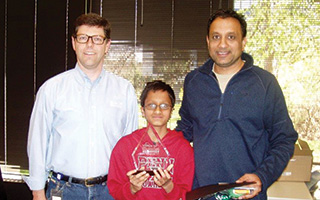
38, 46
159, 39
2, 51
121, 15
51, 39
19, 76
75, 9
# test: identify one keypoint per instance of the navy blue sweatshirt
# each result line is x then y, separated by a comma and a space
246, 129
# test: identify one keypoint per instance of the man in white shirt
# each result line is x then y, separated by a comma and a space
78, 117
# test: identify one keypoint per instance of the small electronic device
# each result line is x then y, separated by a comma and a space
151, 173
242, 190
234, 193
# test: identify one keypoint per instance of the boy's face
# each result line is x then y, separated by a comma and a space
159, 116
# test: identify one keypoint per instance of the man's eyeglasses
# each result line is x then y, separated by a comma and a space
153, 106
96, 39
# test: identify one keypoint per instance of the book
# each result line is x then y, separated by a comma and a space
222, 191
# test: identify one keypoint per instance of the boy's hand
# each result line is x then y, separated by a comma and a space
163, 178
137, 180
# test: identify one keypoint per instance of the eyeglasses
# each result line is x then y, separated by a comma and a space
153, 106
96, 39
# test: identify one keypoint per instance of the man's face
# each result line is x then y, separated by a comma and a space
90, 55
225, 42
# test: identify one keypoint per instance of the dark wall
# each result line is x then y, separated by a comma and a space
36, 40
17, 191
2, 50
51, 39
19, 77
54, 30
170, 36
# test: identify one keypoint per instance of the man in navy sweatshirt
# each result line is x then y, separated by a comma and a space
235, 113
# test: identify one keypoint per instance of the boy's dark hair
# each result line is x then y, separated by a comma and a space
229, 13
155, 86
92, 19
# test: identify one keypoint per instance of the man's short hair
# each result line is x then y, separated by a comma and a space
156, 86
92, 19
225, 13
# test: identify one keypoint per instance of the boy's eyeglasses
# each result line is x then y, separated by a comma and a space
153, 106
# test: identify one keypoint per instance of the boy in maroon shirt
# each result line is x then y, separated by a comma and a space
172, 172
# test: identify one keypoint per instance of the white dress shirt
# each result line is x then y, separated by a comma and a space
75, 124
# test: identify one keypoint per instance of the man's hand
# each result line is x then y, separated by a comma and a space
257, 184
137, 180
39, 195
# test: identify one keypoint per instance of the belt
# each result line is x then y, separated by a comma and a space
88, 182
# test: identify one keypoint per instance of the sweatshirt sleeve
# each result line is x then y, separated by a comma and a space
183, 173
185, 124
281, 134
118, 182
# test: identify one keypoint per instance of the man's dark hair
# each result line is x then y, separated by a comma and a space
156, 86
229, 13
92, 19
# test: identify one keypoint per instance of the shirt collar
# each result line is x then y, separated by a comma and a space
83, 78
